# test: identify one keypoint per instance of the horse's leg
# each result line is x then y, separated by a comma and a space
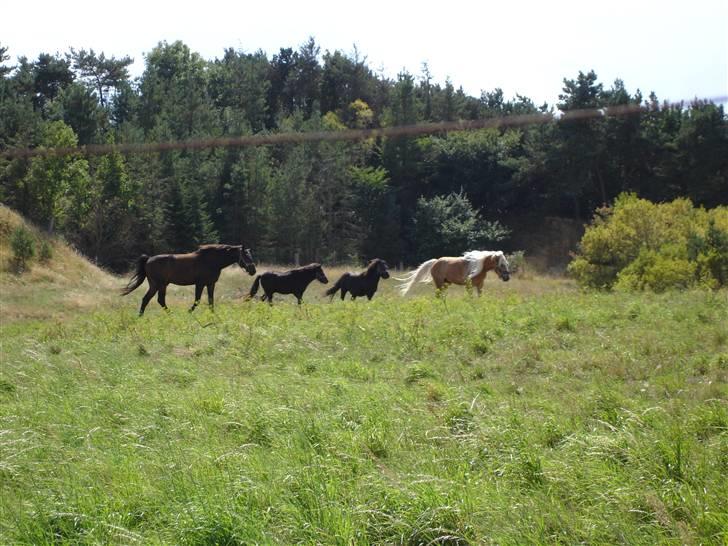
162, 295
198, 295
269, 295
299, 297
148, 296
343, 293
478, 281
211, 296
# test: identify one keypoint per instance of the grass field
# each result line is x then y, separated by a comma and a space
535, 414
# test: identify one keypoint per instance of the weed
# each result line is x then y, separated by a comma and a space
417, 372
565, 324
460, 419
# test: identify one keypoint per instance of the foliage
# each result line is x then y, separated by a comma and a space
45, 252
450, 225
637, 244
23, 247
315, 201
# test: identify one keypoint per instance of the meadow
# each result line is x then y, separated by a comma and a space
537, 413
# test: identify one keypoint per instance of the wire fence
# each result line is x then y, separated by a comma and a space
415, 130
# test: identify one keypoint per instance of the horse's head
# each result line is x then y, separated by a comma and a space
502, 268
245, 260
382, 268
320, 275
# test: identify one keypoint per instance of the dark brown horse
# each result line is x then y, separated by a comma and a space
201, 268
361, 284
293, 282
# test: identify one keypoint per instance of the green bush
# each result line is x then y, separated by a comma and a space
657, 272
637, 245
45, 253
23, 246
449, 225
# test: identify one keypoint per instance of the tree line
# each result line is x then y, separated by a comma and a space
395, 198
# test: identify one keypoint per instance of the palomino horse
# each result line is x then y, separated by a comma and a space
473, 266
361, 284
294, 281
201, 268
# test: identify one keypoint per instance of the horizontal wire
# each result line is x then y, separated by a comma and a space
419, 129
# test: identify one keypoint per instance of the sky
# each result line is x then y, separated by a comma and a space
679, 50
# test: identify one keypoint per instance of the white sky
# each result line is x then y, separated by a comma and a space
677, 49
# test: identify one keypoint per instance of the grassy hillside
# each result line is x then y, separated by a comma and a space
535, 414
66, 285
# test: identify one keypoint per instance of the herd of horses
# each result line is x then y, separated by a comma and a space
202, 268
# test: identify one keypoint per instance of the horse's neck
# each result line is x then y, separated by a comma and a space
372, 274
305, 274
223, 259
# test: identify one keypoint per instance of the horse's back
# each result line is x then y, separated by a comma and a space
452, 269
178, 269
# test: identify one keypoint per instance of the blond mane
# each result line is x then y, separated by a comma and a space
476, 259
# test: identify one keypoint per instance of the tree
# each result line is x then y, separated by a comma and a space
58, 184
4, 57
239, 87
448, 225
174, 90
100, 73
377, 214
50, 75
581, 145
80, 110
344, 80
107, 225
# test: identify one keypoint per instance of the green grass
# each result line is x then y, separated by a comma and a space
535, 414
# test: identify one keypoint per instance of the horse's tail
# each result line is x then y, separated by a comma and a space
138, 277
254, 288
417, 275
331, 291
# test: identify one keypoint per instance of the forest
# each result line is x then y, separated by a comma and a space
402, 199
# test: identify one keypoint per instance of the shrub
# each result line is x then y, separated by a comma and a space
639, 245
657, 272
45, 253
451, 225
23, 246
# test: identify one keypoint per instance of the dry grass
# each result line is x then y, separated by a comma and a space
69, 284
66, 285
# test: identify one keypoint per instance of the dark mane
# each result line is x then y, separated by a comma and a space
306, 267
212, 247
373, 264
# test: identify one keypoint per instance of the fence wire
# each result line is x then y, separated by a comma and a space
420, 129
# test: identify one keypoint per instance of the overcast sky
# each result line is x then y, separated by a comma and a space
677, 49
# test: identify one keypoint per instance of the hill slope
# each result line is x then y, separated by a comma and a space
66, 283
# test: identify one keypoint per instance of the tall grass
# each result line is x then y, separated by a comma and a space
535, 414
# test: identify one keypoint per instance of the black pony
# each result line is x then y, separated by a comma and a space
293, 282
361, 284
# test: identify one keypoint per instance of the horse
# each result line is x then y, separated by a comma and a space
201, 268
361, 284
294, 281
471, 266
